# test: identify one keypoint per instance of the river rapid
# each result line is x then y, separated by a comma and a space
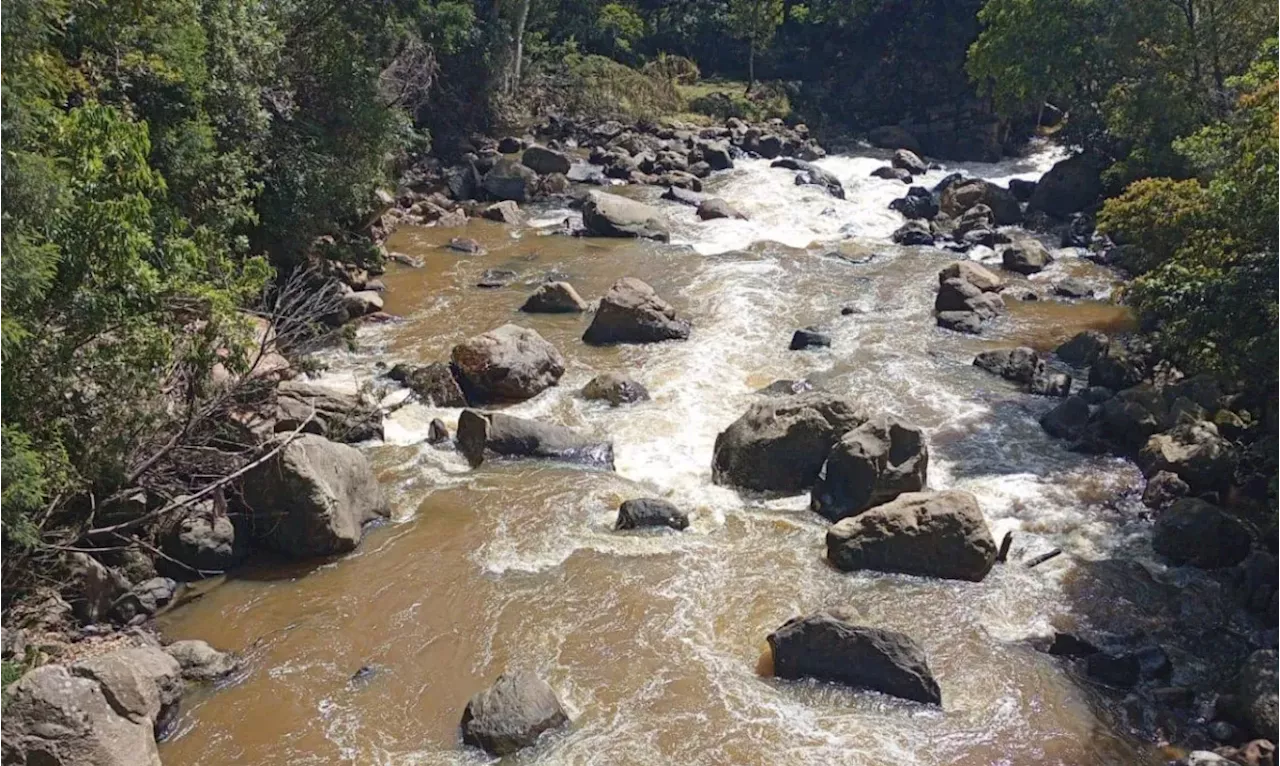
654, 640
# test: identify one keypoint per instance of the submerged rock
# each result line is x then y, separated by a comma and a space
510, 363
480, 433
650, 512
512, 714
931, 534
809, 337
828, 647
631, 312
872, 464
615, 388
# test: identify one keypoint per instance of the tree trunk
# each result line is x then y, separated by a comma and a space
751, 68
521, 18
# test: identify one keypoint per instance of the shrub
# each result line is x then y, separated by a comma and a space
598, 86
1160, 215
670, 67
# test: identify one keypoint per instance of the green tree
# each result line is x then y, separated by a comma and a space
622, 25
755, 22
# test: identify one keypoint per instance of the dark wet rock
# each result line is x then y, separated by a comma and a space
1119, 670
650, 512
1257, 691
1027, 258
631, 312
1096, 394
144, 599
1258, 581
1200, 534
812, 175
684, 196
555, 298
465, 245
913, 233
609, 215
462, 181
1068, 645
809, 337
892, 174
363, 676
870, 465
917, 204
1049, 383
1116, 369
780, 444
1201, 389
1067, 420
313, 498
1079, 231
203, 540
1083, 348
786, 388
512, 714
437, 432
1154, 662
893, 137
510, 180
1124, 423
974, 273
201, 662
509, 145
827, 647
1069, 187
1021, 189
930, 534
1020, 365
1073, 288
962, 195
910, 162
1162, 489
505, 435
1194, 451
713, 208
960, 321
544, 161
615, 388
433, 384
494, 278
505, 211
510, 363
976, 219
716, 155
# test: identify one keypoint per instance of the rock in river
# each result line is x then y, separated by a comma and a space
610, 215
780, 444
509, 436
827, 647
512, 714
555, 298
511, 363
1027, 258
931, 534
1258, 693
631, 312
650, 512
870, 465
615, 388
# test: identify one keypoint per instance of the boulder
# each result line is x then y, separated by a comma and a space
961, 295
555, 298
609, 215
870, 465
312, 498
337, 415
918, 204
893, 137
631, 312
512, 714
931, 534
505, 211
713, 208
1073, 288
144, 599
812, 175
1067, 420
913, 233
544, 161
963, 195
1020, 365
684, 196
892, 174
201, 662
1195, 452
480, 433
1069, 187
141, 683
1021, 189
716, 154
960, 321
92, 588
910, 162
1200, 534
780, 444
360, 303
509, 145
510, 363
1047, 383
650, 512
1119, 670
437, 432
1124, 423
1115, 368
1257, 690
809, 337
1027, 258
55, 718
974, 273
434, 384
510, 180
615, 388
462, 181
1083, 348
1162, 489
827, 647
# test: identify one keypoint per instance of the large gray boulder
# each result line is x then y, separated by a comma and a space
1068, 419
512, 714
482, 433
509, 179
555, 298
544, 161
931, 534
340, 416
55, 718
1125, 422
910, 162
141, 683
828, 647
870, 465
202, 542
958, 198
510, 363
201, 662
780, 444
1257, 690
313, 498
1028, 257
974, 273
1194, 532
1069, 187
1195, 452
610, 215
631, 312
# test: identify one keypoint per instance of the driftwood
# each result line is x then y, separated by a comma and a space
1043, 557
1003, 555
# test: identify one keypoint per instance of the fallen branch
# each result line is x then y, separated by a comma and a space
1043, 557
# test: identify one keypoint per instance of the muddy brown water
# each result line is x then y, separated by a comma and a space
654, 640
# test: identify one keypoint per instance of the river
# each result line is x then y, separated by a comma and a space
653, 639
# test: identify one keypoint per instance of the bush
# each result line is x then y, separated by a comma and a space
1159, 215
601, 87
768, 100
669, 67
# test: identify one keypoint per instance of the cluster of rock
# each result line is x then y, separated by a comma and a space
968, 296
902, 167
106, 710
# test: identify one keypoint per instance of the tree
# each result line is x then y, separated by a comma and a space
755, 22
622, 25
